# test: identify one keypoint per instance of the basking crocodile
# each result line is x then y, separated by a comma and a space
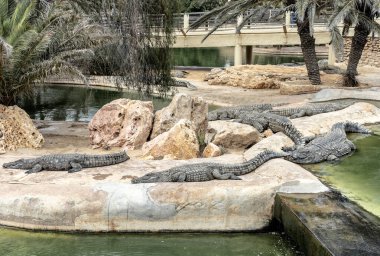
253, 115
263, 121
328, 147
67, 162
208, 171
182, 83
229, 112
309, 109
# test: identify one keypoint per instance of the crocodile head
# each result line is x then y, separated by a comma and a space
304, 156
19, 164
152, 178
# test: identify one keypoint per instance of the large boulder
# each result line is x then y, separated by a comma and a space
182, 107
231, 134
180, 142
122, 123
17, 130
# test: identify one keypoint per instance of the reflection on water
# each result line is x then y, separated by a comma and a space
21, 243
76, 103
357, 176
220, 57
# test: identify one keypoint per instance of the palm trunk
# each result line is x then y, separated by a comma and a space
358, 43
308, 50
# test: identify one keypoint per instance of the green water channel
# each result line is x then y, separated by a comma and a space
77, 103
224, 56
22, 243
357, 176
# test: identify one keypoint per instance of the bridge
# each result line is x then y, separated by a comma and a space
263, 32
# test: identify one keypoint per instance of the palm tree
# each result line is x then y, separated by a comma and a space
306, 11
33, 47
361, 14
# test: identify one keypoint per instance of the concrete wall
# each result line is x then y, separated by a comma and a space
371, 53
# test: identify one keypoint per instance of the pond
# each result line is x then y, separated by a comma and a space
220, 57
77, 103
357, 176
23, 243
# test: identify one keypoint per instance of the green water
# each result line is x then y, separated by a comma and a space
22, 243
220, 57
357, 176
76, 103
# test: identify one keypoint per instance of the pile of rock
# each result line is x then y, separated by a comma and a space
17, 130
173, 132
255, 76
178, 131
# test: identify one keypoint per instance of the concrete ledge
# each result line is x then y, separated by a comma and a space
354, 93
103, 200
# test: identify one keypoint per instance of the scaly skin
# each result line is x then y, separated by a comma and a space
66, 162
208, 171
328, 147
226, 113
309, 109
276, 123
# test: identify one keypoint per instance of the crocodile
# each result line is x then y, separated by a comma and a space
263, 121
260, 120
230, 112
309, 109
208, 171
66, 162
327, 147
182, 83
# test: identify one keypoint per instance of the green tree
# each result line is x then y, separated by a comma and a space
39, 42
358, 13
305, 9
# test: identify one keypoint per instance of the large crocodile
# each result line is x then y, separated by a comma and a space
309, 109
228, 112
253, 115
208, 171
328, 147
67, 162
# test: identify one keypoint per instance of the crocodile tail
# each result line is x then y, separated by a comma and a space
294, 134
104, 160
349, 126
260, 159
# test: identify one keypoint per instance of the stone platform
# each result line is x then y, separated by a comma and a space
104, 200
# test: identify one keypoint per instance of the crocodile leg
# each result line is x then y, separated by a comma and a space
75, 167
227, 176
36, 168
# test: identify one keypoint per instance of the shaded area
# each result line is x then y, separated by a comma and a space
76, 103
356, 176
328, 224
19, 243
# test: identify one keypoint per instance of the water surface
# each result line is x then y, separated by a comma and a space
224, 56
357, 176
77, 103
22, 243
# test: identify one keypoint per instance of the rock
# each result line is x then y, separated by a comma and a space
182, 107
212, 150
231, 134
122, 123
180, 142
254, 76
17, 130
361, 112
179, 73
295, 89
83, 202
335, 94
